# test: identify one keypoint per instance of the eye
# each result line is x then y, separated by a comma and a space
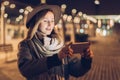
45, 20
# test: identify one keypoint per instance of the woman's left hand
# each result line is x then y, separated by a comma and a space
88, 53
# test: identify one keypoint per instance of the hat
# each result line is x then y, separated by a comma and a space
56, 10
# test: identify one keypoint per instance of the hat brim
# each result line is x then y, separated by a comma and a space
56, 10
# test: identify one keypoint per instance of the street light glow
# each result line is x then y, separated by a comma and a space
80, 13
74, 11
2, 8
17, 19
69, 18
21, 10
76, 20
65, 16
29, 8
12, 6
20, 16
6, 3
63, 6
26, 12
5, 15
97, 2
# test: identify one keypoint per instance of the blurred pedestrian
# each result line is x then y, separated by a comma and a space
43, 54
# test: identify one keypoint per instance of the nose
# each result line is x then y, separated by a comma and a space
49, 23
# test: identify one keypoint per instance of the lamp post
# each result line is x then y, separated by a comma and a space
2, 36
97, 4
63, 7
43, 1
26, 11
74, 30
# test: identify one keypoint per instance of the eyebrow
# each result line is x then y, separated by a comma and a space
47, 18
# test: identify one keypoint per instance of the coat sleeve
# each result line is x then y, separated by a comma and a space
30, 66
78, 67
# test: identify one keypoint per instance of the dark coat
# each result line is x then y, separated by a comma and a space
35, 66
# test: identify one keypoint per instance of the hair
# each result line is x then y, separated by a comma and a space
33, 26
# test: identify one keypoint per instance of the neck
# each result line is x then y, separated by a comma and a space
41, 33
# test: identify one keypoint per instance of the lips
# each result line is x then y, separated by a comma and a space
49, 29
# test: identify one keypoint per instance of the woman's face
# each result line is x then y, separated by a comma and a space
47, 23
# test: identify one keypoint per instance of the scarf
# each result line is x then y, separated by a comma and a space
50, 47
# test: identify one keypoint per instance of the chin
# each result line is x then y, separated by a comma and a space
48, 33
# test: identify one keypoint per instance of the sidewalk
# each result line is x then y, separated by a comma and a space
8, 63
10, 56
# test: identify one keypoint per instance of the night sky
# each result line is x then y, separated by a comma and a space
106, 7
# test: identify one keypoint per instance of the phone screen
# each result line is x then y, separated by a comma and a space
80, 47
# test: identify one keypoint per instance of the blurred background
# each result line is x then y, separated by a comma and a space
97, 21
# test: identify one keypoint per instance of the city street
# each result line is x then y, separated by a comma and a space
105, 66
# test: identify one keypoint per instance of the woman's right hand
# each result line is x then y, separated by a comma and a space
66, 51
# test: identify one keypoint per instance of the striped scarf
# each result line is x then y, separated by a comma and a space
50, 47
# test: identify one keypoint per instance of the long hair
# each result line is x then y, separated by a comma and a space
34, 23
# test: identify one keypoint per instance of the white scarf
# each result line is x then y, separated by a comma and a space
51, 45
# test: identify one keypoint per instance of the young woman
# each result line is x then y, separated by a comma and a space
43, 55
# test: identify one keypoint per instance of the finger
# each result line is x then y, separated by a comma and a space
70, 54
68, 45
87, 50
70, 49
90, 54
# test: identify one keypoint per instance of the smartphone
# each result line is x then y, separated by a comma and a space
79, 47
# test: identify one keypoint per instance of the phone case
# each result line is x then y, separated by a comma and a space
80, 47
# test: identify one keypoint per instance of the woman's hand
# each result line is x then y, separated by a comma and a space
88, 53
66, 51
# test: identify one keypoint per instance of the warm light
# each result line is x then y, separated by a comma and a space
111, 23
2, 8
59, 26
29, 8
12, 6
26, 12
69, 18
65, 16
21, 10
99, 23
60, 21
86, 25
6, 3
20, 16
80, 13
97, 2
5, 15
104, 32
43, 1
90, 18
88, 22
108, 27
98, 30
63, 6
74, 11
84, 15
17, 19
76, 20
8, 20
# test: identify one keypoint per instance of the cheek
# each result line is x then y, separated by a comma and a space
53, 25
40, 27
